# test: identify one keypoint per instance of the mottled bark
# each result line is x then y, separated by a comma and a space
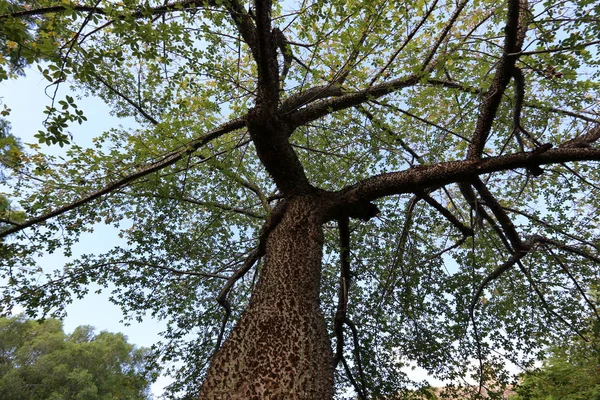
280, 348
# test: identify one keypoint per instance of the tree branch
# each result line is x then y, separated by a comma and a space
547, 306
116, 91
328, 106
566, 270
357, 356
476, 91
221, 206
521, 252
516, 27
456, 171
465, 230
585, 140
359, 391
140, 13
371, 118
342, 307
507, 226
141, 171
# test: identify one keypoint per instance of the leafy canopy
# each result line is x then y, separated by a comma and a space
39, 361
487, 238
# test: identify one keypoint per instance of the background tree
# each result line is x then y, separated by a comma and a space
571, 371
411, 181
39, 361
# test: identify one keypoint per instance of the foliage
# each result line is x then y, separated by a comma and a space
570, 372
472, 128
39, 361
10, 156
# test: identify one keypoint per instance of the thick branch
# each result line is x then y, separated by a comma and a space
515, 35
266, 57
270, 135
325, 107
308, 96
244, 23
456, 171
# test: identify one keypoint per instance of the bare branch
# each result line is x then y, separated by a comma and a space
371, 118
570, 249
409, 37
546, 306
135, 105
359, 391
398, 259
426, 63
584, 140
224, 207
548, 225
577, 285
577, 46
495, 274
451, 84
357, 356
174, 271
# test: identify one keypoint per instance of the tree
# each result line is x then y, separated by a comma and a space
410, 181
571, 371
563, 376
39, 361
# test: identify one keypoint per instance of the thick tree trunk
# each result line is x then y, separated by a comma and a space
280, 348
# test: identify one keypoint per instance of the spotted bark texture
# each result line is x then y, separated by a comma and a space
280, 348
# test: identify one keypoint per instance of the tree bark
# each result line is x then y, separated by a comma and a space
280, 348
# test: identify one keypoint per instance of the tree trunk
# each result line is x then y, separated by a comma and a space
280, 348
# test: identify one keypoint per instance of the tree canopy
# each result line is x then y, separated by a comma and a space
438, 159
39, 361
